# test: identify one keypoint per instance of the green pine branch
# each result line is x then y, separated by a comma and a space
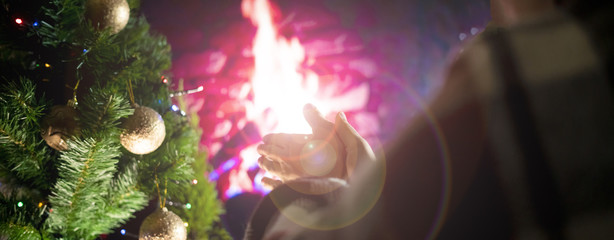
171, 163
21, 145
20, 97
85, 171
145, 56
85, 189
95, 185
101, 111
19, 232
65, 18
205, 208
124, 195
21, 216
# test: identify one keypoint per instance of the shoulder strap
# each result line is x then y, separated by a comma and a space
542, 190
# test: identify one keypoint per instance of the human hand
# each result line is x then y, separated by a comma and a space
333, 150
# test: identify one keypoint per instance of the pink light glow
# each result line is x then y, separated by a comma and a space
350, 56
282, 84
277, 85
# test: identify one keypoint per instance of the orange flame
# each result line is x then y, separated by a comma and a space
279, 88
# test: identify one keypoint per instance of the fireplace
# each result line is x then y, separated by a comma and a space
260, 61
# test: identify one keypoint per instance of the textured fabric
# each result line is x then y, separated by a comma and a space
548, 101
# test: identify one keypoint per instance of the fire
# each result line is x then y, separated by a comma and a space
281, 86
280, 90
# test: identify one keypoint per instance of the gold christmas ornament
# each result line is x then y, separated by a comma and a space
143, 132
113, 14
162, 225
59, 125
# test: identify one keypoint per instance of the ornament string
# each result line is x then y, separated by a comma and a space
165, 184
161, 199
130, 92
74, 91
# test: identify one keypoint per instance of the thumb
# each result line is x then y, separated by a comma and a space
315, 119
346, 132
350, 138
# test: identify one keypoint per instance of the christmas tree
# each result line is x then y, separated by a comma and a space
88, 130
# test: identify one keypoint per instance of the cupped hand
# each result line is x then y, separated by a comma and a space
332, 150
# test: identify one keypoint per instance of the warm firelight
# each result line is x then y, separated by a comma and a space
280, 90
282, 84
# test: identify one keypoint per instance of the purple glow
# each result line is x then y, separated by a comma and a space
228, 165
233, 191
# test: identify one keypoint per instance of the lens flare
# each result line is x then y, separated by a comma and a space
318, 158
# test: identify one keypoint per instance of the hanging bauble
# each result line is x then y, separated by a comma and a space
144, 131
113, 14
162, 225
58, 125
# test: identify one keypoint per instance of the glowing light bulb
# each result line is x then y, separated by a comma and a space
35, 24
40, 204
185, 224
123, 231
47, 65
194, 181
188, 205
20, 204
18, 21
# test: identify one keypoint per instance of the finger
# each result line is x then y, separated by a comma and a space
270, 183
346, 133
315, 119
272, 151
268, 165
284, 139
355, 145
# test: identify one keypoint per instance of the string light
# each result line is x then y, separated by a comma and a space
47, 65
123, 231
194, 181
185, 224
164, 80
462, 36
180, 93
20, 204
18, 21
35, 24
188, 205
40, 204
